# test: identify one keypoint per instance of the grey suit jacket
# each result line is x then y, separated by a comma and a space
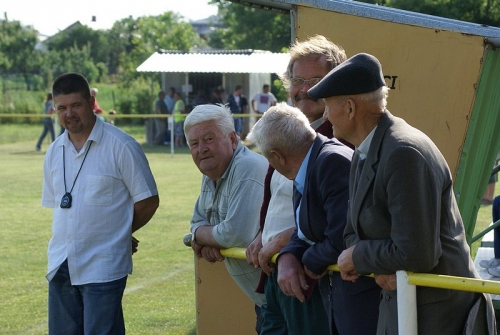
403, 216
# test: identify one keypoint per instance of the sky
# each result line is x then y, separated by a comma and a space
52, 16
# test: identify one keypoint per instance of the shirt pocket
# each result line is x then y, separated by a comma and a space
98, 190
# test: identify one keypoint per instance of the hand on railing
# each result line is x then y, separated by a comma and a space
418, 279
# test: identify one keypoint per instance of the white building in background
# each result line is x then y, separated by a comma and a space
206, 70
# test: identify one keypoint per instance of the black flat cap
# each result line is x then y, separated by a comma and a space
362, 73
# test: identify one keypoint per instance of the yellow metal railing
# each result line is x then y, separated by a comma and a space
407, 283
454, 283
418, 279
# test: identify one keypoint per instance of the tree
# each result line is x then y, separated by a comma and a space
120, 42
17, 50
250, 28
95, 41
150, 33
134, 41
73, 59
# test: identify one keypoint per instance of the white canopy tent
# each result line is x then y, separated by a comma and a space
216, 61
256, 65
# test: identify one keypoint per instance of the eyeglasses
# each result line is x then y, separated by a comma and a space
297, 81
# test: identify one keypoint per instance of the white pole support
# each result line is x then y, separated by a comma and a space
407, 305
171, 128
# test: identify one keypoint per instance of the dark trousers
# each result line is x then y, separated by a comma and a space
355, 305
48, 127
284, 315
85, 309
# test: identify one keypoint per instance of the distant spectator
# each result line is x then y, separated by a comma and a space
215, 97
222, 94
263, 100
170, 101
179, 109
493, 265
244, 110
234, 102
490, 189
48, 126
97, 109
160, 108
200, 98
112, 114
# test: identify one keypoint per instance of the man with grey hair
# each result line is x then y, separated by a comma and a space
402, 210
226, 213
319, 168
310, 60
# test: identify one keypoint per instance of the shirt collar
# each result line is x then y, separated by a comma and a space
97, 131
239, 148
365, 145
300, 179
317, 123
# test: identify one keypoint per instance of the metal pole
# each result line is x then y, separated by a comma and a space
171, 125
407, 305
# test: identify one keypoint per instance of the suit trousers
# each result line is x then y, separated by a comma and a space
355, 306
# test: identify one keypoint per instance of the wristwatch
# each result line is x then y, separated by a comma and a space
194, 234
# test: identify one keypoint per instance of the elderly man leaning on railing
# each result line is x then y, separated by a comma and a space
406, 287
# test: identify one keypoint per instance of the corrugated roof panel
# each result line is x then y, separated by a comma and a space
256, 62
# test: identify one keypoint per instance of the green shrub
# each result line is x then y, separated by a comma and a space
137, 98
17, 102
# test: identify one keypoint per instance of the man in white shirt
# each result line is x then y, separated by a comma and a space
310, 60
98, 181
263, 100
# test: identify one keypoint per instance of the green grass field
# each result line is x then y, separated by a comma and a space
159, 298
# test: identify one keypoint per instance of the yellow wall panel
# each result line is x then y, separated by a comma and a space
221, 307
434, 72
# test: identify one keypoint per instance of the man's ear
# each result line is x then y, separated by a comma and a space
234, 139
279, 156
351, 108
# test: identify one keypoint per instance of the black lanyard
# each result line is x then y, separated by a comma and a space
67, 199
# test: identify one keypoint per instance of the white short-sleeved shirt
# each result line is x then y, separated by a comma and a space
95, 233
264, 101
279, 215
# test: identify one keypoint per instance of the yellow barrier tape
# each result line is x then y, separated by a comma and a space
116, 116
